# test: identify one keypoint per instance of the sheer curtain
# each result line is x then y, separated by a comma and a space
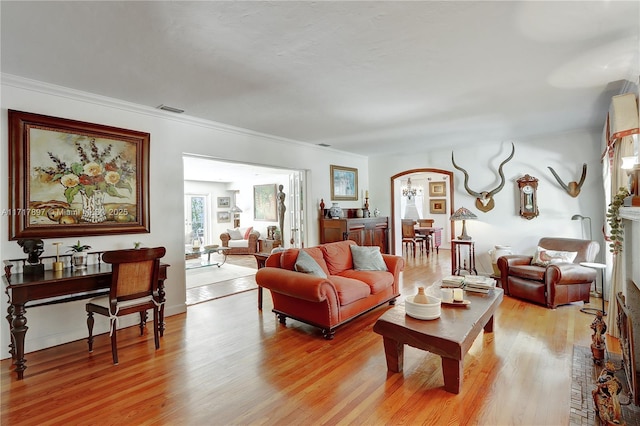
621, 126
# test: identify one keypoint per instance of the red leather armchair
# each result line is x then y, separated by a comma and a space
554, 284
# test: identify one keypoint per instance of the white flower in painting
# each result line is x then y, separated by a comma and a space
112, 177
70, 180
92, 169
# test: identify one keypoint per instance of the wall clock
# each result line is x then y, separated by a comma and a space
528, 187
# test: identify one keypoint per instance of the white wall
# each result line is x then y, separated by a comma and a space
171, 137
565, 153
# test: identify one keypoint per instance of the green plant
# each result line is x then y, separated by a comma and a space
78, 248
615, 222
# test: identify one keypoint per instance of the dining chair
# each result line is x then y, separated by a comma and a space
134, 288
409, 237
428, 238
426, 222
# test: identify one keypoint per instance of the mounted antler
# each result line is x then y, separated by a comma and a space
484, 200
574, 187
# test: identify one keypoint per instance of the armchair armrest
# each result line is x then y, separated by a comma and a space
225, 237
568, 273
295, 284
505, 262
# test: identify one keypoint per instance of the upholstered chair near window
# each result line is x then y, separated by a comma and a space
134, 289
551, 276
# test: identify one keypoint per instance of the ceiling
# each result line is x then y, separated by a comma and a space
370, 78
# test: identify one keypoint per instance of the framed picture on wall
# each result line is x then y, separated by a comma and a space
437, 189
224, 202
264, 203
438, 206
224, 217
344, 183
72, 178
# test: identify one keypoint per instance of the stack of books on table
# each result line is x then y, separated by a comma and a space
478, 283
453, 281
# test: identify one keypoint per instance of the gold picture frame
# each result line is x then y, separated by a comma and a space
344, 183
438, 206
72, 178
437, 189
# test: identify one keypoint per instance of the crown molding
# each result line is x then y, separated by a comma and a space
78, 95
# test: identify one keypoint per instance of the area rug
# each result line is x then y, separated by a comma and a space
210, 283
212, 274
583, 380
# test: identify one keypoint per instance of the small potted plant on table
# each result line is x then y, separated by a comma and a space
79, 256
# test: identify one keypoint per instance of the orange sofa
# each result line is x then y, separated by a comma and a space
328, 302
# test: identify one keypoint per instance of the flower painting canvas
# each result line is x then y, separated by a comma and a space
82, 178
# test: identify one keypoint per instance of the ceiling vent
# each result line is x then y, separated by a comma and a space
170, 109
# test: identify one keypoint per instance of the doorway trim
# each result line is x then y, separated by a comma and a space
396, 192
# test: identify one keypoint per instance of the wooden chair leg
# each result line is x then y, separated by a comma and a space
143, 321
90, 322
156, 333
114, 342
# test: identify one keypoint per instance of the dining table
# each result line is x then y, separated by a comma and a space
433, 236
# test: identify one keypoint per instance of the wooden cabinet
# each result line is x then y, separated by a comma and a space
369, 231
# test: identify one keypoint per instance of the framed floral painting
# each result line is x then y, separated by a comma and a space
71, 178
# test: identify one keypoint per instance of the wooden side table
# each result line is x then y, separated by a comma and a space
261, 258
457, 256
265, 246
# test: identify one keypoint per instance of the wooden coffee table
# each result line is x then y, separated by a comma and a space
449, 336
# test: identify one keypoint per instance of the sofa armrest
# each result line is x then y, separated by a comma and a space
568, 273
395, 265
225, 237
295, 284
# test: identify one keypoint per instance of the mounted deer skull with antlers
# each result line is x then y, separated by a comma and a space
574, 187
484, 200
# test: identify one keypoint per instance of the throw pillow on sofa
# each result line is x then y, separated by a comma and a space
367, 258
306, 264
235, 234
544, 257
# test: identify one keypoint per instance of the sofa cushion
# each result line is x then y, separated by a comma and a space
349, 290
376, 280
530, 272
367, 258
338, 256
235, 234
306, 264
290, 256
238, 244
544, 257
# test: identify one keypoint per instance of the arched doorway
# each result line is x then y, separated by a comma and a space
431, 196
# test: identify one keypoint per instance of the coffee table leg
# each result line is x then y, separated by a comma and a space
488, 327
394, 352
452, 371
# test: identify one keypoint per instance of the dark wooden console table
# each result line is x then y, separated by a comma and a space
28, 291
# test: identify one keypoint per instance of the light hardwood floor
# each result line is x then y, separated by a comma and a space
224, 362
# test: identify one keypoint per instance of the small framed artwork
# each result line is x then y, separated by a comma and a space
224, 202
72, 178
344, 183
224, 217
264, 203
437, 189
438, 206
